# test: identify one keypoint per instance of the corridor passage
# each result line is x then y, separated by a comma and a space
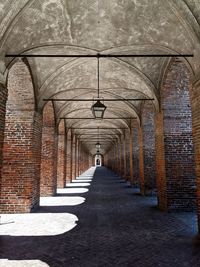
113, 226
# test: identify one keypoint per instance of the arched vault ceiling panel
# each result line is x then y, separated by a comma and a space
111, 107
113, 74
131, 108
98, 123
194, 7
44, 67
9, 9
97, 25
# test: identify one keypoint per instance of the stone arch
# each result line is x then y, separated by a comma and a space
48, 181
174, 141
21, 148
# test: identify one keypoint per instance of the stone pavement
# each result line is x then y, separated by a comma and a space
115, 227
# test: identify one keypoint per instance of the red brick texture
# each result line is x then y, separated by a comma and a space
48, 182
22, 145
175, 158
148, 131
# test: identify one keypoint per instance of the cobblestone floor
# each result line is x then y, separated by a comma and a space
116, 227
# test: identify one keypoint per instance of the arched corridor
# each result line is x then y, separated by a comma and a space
99, 133
107, 228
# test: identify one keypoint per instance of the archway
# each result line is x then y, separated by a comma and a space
22, 145
174, 141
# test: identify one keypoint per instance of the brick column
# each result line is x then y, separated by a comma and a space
160, 163
136, 152
68, 156
175, 153
141, 161
61, 173
131, 154
124, 156
3, 99
148, 131
195, 100
76, 158
78, 169
71, 157
120, 157
48, 182
117, 158
21, 145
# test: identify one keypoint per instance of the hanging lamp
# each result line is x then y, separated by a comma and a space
98, 108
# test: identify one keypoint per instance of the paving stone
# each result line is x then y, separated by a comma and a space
116, 227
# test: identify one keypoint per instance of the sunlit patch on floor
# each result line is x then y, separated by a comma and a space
61, 201
84, 178
77, 184
82, 181
37, 224
22, 263
72, 190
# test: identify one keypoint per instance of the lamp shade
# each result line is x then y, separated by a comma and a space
98, 109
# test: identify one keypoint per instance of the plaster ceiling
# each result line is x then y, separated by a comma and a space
91, 26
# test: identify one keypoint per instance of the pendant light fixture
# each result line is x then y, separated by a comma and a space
98, 108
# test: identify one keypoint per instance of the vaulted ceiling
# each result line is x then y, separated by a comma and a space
99, 26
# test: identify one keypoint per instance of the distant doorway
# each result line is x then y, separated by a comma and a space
98, 160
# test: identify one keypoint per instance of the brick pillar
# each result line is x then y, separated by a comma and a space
124, 156
148, 128
68, 156
120, 158
160, 163
22, 145
78, 165
113, 158
131, 154
141, 161
195, 100
48, 182
71, 157
136, 153
61, 172
74, 159
127, 147
3, 99
81, 159
175, 153
117, 158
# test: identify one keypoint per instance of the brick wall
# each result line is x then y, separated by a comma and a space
21, 148
179, 184
148, 131
48, 182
